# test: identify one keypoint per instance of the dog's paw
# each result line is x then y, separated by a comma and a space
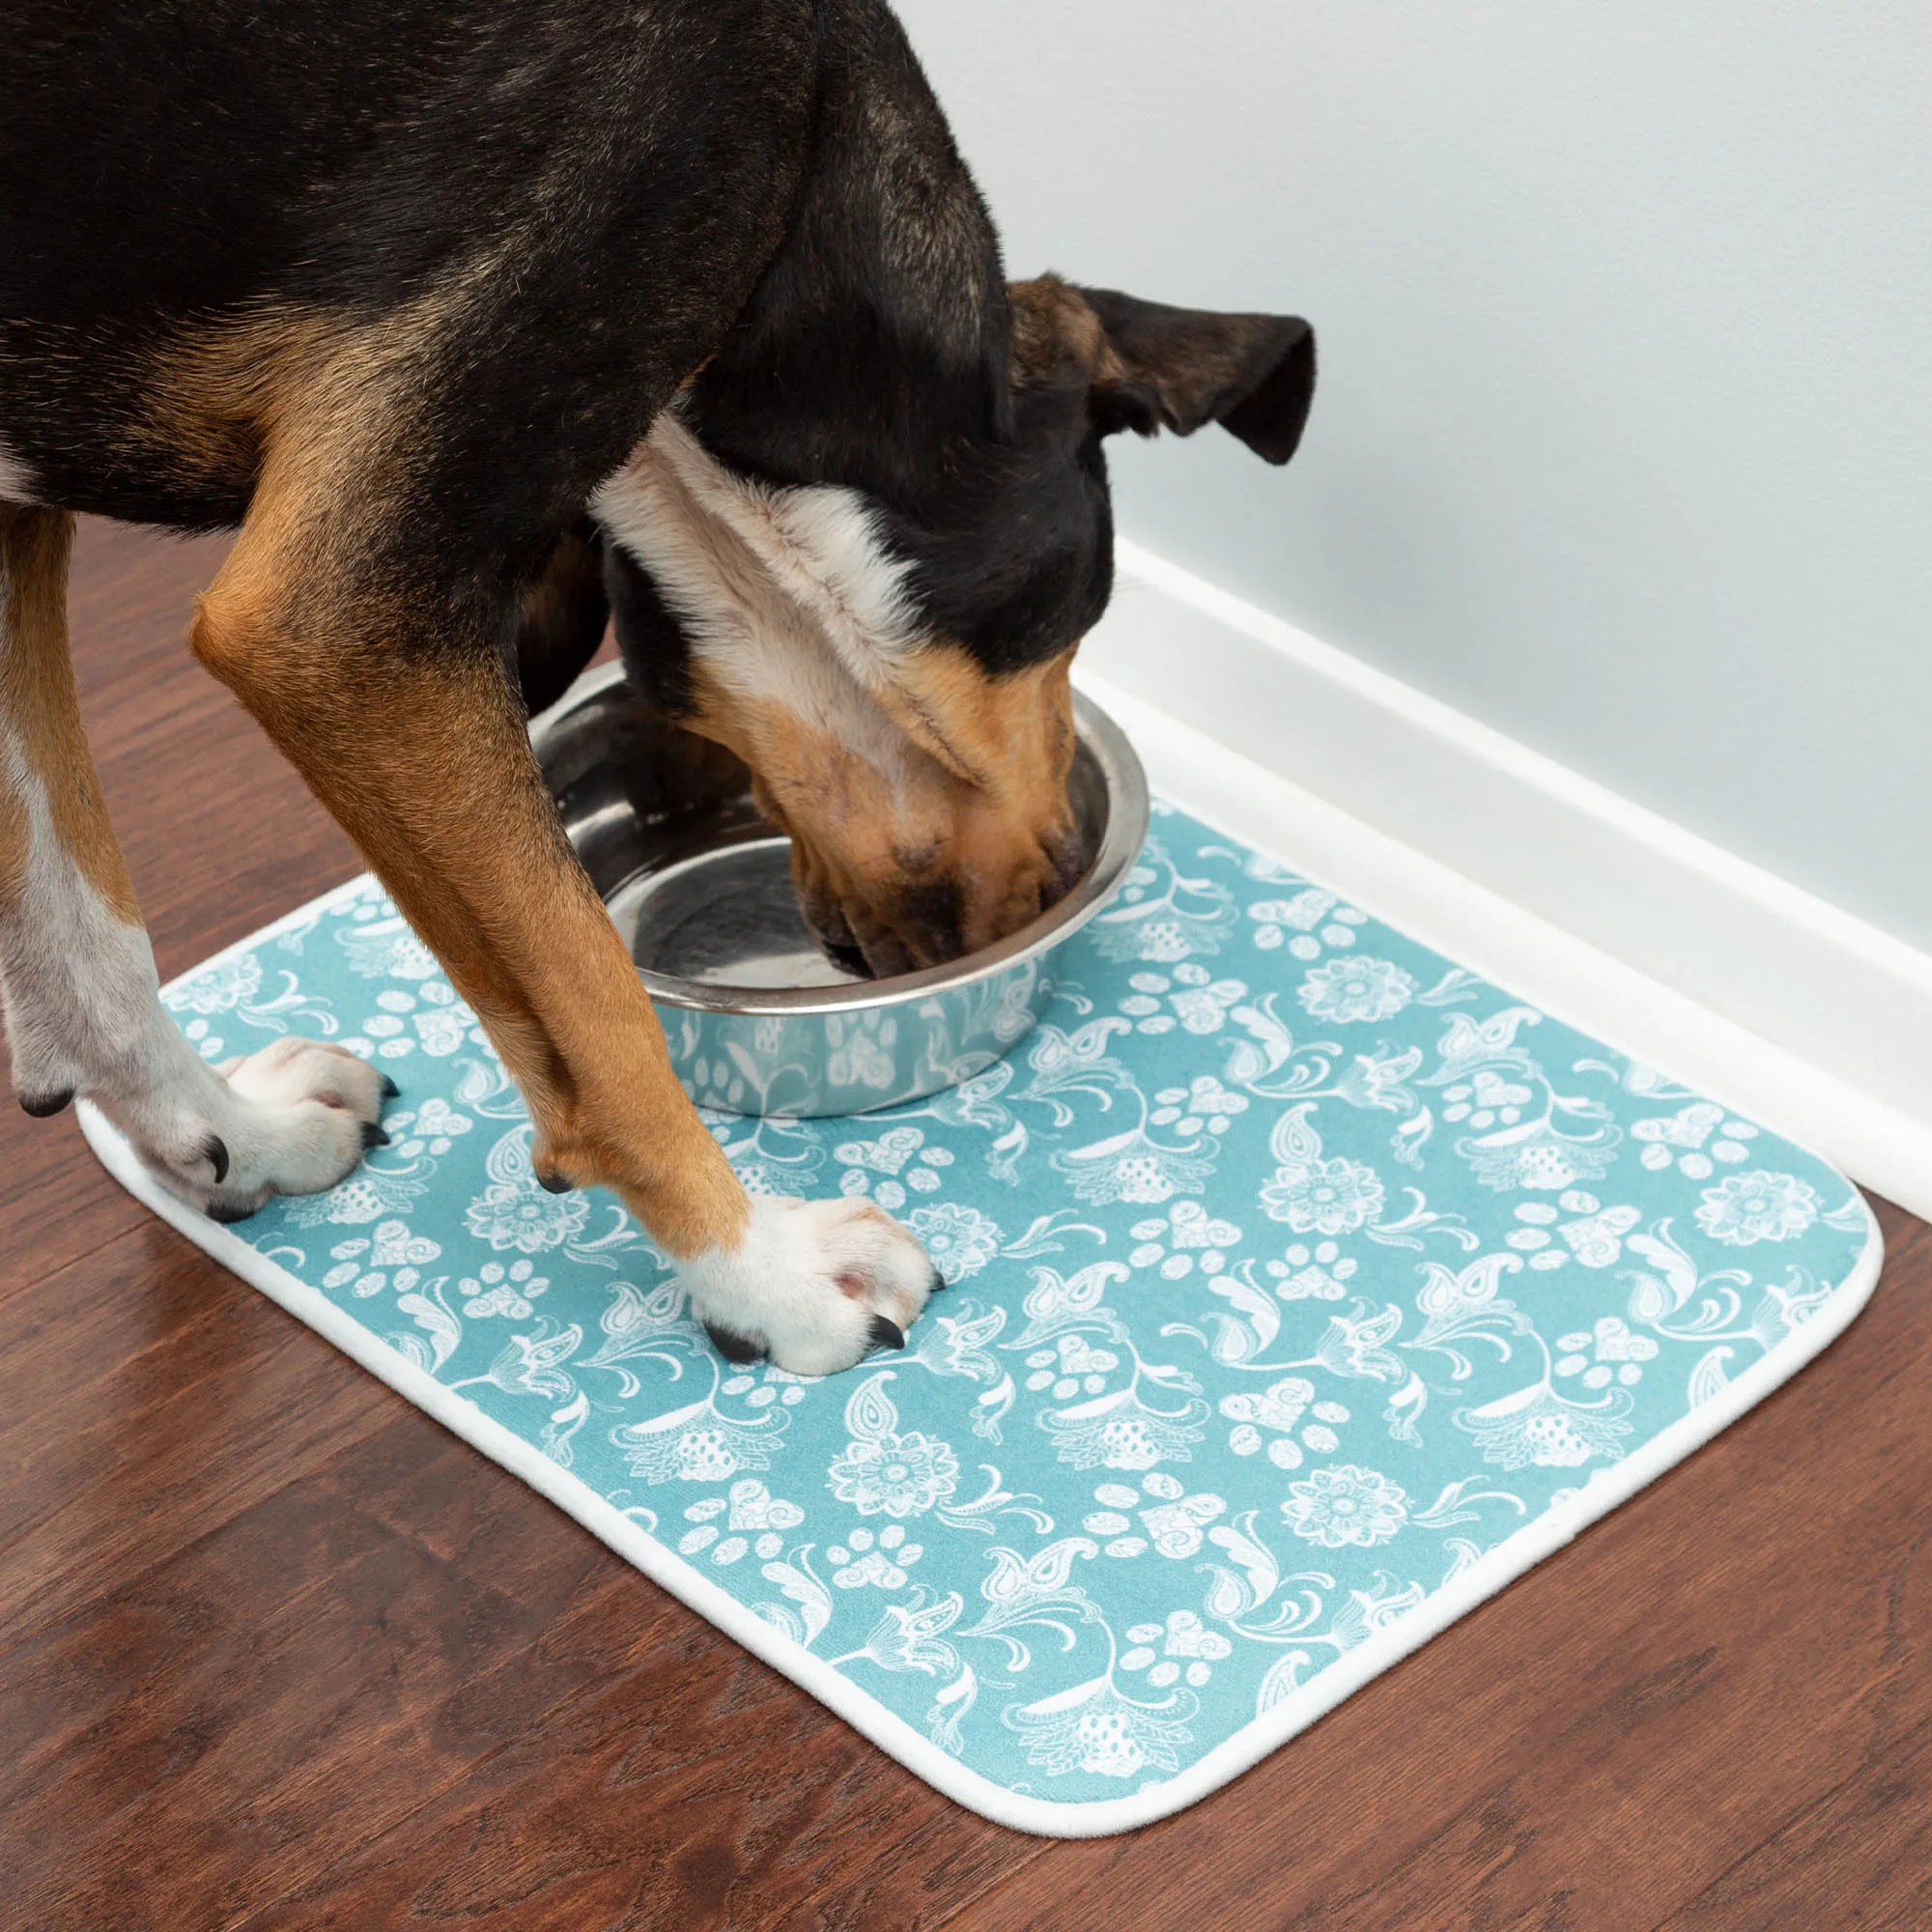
296, 1119
815, 1285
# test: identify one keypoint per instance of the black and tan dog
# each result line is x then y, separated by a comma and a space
437, 299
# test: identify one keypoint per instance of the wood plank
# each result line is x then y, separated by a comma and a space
146, 1397
275, 1691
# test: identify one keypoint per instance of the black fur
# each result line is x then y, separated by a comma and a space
764, 192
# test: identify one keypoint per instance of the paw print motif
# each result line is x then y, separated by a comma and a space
1201, 1002
1294, 923
1073, 1367
1596, 1239
207, 1044
1680, 1139
1187, 1644
1321, 1273
497, 1289
1620, 1354
752, 1515
430, 1128
775, 1384
880, 1564
1204, 1104
1172, 1519
367, 1264
899, 1157
1193, 1233
1487, 1100
1280, 1408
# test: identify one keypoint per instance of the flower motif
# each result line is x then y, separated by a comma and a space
1539, 1158
1354, 988
1346, 1505
1323, 1197
515, 1212
1131, 1167
1537, 1425
1095, 1729
218, 988
960, 1240
696, 1444
1121, 1431
1743, 1209
898, 1475
911, 1635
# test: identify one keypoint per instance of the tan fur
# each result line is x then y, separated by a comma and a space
39, 705
421, 758
992, 819
1056, 333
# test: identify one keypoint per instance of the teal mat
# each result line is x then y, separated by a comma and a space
1305, 1289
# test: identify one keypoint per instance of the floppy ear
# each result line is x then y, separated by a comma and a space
1149, 365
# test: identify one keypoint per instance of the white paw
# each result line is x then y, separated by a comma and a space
293, 1118
814, 1284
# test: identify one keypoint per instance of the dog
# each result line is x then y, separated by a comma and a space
473, 319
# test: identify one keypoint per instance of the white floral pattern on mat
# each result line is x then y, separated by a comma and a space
1292, 1268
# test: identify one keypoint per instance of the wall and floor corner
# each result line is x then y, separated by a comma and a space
1590, 621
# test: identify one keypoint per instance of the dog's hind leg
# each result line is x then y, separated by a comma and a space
83, 1009
386, 683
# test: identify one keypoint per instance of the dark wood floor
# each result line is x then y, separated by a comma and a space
276, 1651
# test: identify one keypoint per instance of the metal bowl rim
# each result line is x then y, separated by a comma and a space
1128, 817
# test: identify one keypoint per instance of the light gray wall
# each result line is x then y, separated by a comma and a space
1624, 438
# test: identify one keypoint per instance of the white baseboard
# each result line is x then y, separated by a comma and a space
1610, 916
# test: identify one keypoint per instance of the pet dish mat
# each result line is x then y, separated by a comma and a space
1305, 1290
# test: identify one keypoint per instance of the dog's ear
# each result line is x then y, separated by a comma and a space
1148, 366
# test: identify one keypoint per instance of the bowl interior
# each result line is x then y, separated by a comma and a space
696, 880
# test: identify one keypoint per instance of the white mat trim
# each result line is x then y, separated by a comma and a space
1822, 1022
1503, 1564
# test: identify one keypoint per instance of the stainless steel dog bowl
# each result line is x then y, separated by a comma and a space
759, 1020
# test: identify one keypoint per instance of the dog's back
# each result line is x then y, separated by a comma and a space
181, 176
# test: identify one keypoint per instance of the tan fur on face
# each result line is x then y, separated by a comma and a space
926, 800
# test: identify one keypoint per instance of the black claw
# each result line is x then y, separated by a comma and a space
225, 1213
373, 1135
214, 1152
551, 1182
389, 1087
42, 1105
734, 1348
884, 1334
937, 1283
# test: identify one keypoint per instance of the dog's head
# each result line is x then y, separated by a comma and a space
880, 621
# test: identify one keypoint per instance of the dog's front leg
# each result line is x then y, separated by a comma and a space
397, 710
